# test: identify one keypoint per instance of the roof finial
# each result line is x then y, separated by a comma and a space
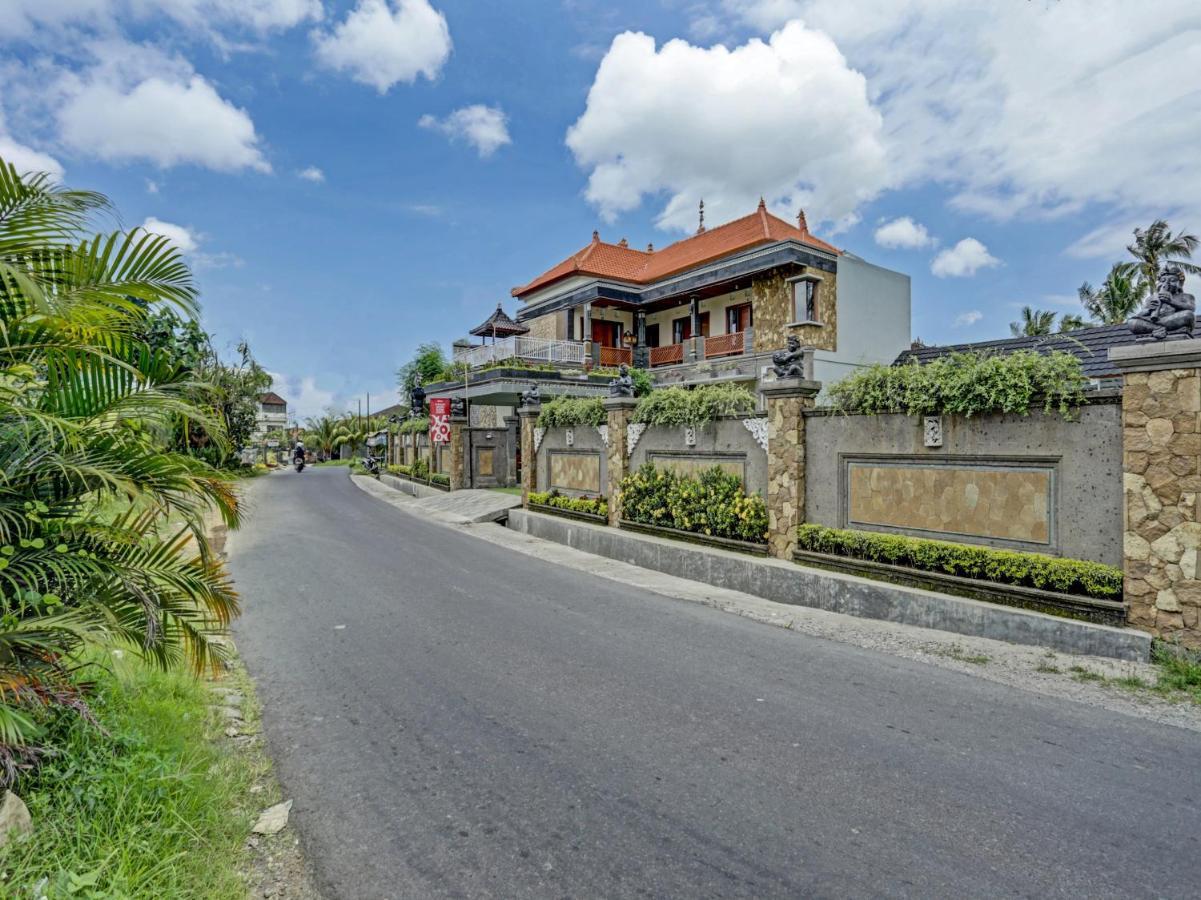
623, 243
596, 237
650, 248
801, 222
762, 205
700, 228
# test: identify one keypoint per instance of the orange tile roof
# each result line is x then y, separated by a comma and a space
623, 263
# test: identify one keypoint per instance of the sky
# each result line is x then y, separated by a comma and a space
351, 178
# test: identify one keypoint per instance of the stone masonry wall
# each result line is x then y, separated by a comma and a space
1161, 419
772, 298
785, 471
549, 327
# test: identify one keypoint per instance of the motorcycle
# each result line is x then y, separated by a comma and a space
371, 464
300, 464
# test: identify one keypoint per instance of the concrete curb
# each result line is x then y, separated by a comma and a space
785, 582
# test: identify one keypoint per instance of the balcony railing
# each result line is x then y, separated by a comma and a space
724, 345
615, 356
666, 356
526, 349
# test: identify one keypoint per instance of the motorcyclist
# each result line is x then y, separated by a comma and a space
298, 453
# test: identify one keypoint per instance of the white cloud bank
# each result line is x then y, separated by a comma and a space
184, 238
24, 18
311, 173
971, 317
964, 259
787, 119
903, 233
484, 127
26, 159
384, 42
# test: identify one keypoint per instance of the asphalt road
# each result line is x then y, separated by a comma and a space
456, 721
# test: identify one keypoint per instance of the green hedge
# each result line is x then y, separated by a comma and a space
572, 412
966, 384
695, 407
439, 478
414, 426
1049, 573
713, 503
598, 506
419, 469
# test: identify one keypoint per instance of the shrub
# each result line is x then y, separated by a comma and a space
1050, 573
695, 407
713, 503
966, 384
439, 478
414, 426
419, 469
571, 412
598, 506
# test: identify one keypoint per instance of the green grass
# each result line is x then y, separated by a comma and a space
334, 462
958, 653
1179, 671
515, 491
153, 809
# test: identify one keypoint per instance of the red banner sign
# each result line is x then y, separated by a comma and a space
439, 420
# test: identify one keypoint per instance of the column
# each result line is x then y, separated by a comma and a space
512, 442
458, 451
692, 351
787, 399
642, 353
1161, 462
620, 410
528, 414
586, 337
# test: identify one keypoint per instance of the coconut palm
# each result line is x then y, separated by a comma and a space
1072, 321
322, 434
1033, 322
86, 411
1157, 247
1118, 296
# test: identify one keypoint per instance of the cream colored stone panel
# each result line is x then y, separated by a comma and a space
575, 472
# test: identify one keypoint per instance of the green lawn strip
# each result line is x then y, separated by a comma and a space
334, 462
515, 491
1178, 677
154, 808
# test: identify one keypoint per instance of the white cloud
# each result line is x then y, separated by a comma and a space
151, 186
312, 173
964, 259
137, 104
971, 317
903, 232
184, 238
1043, 108
26, 159
384, 42
484, 127
787, 119
763, 14
25, 18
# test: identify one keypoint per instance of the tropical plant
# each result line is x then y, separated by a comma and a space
571, 412
1118, 296
87, 408
1072, 321
354, 430
966, 384
428, 362
693, 407
713, 503
1156, 247
1034, 322
596, 506
322, 434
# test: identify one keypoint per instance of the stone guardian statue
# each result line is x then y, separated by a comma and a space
1170, 314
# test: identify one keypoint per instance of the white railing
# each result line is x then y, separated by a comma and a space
529, 349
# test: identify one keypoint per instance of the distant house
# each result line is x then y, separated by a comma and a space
1090, 345
272, 415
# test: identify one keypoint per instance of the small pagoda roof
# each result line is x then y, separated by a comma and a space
499, 325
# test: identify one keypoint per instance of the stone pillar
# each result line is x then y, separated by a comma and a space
458, 451
620, 410
642, 353
528, 415
787, 399
1161, 453
512, 442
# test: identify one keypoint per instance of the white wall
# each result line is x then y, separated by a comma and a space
873, 318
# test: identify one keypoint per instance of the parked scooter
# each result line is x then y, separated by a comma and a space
371, 464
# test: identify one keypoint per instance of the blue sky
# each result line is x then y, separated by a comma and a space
351, 178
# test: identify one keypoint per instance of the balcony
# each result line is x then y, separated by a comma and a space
523, 349
715, 347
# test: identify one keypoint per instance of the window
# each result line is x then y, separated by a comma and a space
804, 300
681, 328
652, 335
738, 318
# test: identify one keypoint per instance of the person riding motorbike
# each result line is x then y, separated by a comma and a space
298, 452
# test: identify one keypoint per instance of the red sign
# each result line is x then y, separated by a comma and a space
439, 420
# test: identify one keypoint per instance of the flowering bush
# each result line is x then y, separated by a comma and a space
597, 506
713, 503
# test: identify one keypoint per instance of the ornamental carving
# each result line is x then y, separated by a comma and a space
633, 433
758, 429
539, 434
603, 431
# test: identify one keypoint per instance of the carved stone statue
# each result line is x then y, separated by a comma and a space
1170, 314
417, 398
790, 362
623, 384
532, 396
458, 407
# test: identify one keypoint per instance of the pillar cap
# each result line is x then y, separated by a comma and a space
779, 388
612, 403
529, 411
1153, 356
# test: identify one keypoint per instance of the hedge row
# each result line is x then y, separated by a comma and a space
572, 412
713, 503
598, 506
420, 469
1048, 573
693, 407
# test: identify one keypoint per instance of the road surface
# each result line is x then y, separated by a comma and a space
453, 720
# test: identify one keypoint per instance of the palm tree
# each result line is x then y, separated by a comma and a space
1118, 297
1033, 322
87, 409
1157, 247
322, 433
1072, 321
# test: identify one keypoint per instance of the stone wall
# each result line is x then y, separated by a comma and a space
490, 457
774, 313
1036, 482
574, 468
551, 327
1162, 443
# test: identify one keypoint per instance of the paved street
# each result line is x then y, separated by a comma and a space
456, 721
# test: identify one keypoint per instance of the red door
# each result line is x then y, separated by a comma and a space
607, 334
